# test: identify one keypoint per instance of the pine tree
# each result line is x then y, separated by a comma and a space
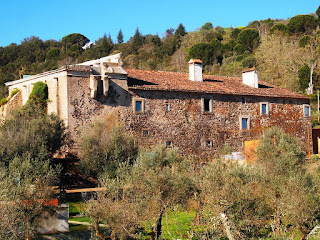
181, 31
120, 37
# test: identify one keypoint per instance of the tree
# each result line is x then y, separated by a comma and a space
235, 33
181, 31
137, 40
120, 37
28, 140
74, 38
53, 54
207, 26
157, 181
318, 12
290, 191
304, 77
249, 38
207, 52
302, 24
104, 146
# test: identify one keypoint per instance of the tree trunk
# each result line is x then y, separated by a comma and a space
157, 226
226, 225
96, 227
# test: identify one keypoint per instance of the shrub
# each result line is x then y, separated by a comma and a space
3, 101
280, 27
14, 92
39, 92
304, 41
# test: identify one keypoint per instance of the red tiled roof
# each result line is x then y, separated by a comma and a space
174, 81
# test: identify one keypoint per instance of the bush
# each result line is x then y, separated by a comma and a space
280, 27
3, 101
39, 93
304, 77
14, 92
304, 41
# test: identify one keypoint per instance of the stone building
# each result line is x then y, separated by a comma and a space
194, 112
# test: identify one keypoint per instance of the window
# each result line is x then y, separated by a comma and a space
207, 105
167, 107
264, 108
306, 110
243, 100
138, 105
208, 143
168, 144
244, 122
145, 132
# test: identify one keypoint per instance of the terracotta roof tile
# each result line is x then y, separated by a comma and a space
174, 81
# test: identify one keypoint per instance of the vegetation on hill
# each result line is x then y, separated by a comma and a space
278, 48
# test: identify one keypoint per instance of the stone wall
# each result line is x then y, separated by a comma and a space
185, 125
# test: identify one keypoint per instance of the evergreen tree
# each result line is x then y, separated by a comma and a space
181, 31
120, 37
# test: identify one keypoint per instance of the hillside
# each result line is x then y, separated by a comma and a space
283, 51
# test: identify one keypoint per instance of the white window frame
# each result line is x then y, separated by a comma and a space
248, 122
210, 105
267, 108
304, 110
142, 105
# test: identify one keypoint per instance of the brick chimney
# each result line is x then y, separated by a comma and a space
195, 70
250, 77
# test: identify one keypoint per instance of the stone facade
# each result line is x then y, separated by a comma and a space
162, 108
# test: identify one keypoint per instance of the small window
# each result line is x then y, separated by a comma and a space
244, 122
167, 107
264, 108
168, 144
243, 100
145, 132
306, 110
138, 105
208, 143
207, 105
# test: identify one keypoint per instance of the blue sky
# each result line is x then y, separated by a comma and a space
57, 18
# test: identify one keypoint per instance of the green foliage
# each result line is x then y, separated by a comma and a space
304, 41
239, 49
207, 26
104, 146
235, 33
181, 31
279, 27
137, 40
304, 77
37, 135
318, 12
3, 101
53, 54
39, 93
249, 62
74, 38
302, 24
120, 37
14, 92
74, 51
209, 53
249, 38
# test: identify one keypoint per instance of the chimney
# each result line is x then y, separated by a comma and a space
250, 77
195, 70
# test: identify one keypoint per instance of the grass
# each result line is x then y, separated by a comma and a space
81, 219
76, 208
178, 224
